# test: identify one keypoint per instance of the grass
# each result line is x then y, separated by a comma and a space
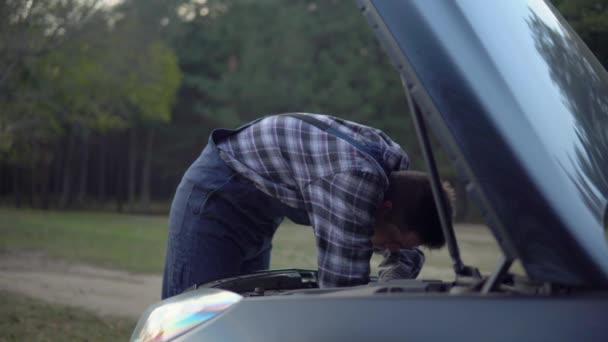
133, 243
26, 319
136, 243
129, 242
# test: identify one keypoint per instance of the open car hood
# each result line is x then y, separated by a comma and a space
521, 105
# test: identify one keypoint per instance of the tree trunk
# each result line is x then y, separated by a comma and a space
101, 181
66, 173
45, 184
132, 167
145, 172
119, 171
16, 188
57, 174
33, 179
84, 170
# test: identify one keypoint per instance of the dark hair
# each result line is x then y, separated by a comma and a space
414, 207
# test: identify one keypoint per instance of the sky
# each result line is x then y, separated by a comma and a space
110, 3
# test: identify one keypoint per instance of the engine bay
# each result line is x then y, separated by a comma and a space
304, 282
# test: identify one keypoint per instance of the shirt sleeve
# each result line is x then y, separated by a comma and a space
405, 264
342, 210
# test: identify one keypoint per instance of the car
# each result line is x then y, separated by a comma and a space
521, 106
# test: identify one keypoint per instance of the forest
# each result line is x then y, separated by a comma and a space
104, 104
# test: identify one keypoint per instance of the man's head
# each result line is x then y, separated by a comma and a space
408, 216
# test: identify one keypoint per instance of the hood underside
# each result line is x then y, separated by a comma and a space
521, 105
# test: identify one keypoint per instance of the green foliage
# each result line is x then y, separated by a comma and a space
245, 59
80, 71
589, 18
72, 69
152, 90
31, 31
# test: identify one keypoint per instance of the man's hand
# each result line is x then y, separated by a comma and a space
405, 264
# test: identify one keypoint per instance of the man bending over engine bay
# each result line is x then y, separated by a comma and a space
347, 180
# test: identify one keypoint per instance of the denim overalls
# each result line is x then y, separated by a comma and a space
220, 224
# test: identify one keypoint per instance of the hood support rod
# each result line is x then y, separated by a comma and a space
446, 222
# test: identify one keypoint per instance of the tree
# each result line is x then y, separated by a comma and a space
589, 18
314, 56
74, 75
149, 84
29, 31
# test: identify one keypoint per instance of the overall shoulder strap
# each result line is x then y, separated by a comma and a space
369, 150
310, 120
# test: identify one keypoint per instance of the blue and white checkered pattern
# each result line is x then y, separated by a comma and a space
339, 186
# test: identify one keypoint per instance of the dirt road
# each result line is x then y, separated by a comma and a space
102, 291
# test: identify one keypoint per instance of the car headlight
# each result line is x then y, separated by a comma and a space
177, 315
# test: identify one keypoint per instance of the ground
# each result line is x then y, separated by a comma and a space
122, 293
26, 319
110, 265
102, 291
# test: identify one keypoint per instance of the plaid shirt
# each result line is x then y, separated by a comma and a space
338, 186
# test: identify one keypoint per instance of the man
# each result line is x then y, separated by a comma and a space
346, 180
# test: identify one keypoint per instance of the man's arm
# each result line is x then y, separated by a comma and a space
405, 264
342, 209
